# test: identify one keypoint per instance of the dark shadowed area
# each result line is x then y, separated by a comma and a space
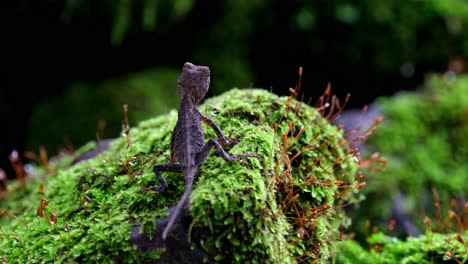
71, 64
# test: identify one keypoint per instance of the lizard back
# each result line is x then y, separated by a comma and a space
188, 136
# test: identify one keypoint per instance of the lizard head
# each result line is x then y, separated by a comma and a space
194, 82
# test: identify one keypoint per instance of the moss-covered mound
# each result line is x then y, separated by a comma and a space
284, 208
424, 135
427, 249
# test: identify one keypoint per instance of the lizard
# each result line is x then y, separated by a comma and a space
188, 148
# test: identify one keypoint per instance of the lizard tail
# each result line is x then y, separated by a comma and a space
175, 213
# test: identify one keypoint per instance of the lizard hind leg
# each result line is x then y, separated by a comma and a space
157, 169
203, 154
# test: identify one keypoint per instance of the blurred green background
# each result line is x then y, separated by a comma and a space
70, 64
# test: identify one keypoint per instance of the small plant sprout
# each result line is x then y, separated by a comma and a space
45, 160
50, 218
4, 259
3, 184
100, 133
465, 221
53, 221
391, 226
332, 103
452, 256
40, 211
126, 126
12, 217
84, 198
5, 235
41, 159
67, 227
68, 146
428, 223
41, 189
455, 222
375, 162
7, 213
127, 166
18, 166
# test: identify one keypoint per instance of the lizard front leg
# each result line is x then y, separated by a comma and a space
157, 169
222, 139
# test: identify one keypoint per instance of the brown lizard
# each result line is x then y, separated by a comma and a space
188, 148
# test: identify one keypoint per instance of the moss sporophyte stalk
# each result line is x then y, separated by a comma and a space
285, 208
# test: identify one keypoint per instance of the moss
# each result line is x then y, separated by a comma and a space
430, 248
276, 210
425, 138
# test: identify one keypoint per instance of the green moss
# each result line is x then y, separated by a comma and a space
243, 207
425, 138
430, 248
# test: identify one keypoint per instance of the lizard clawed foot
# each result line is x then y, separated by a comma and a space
248, 155
152, 189
231, 140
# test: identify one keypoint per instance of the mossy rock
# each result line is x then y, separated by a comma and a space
424, 136
287, 207
426, 249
